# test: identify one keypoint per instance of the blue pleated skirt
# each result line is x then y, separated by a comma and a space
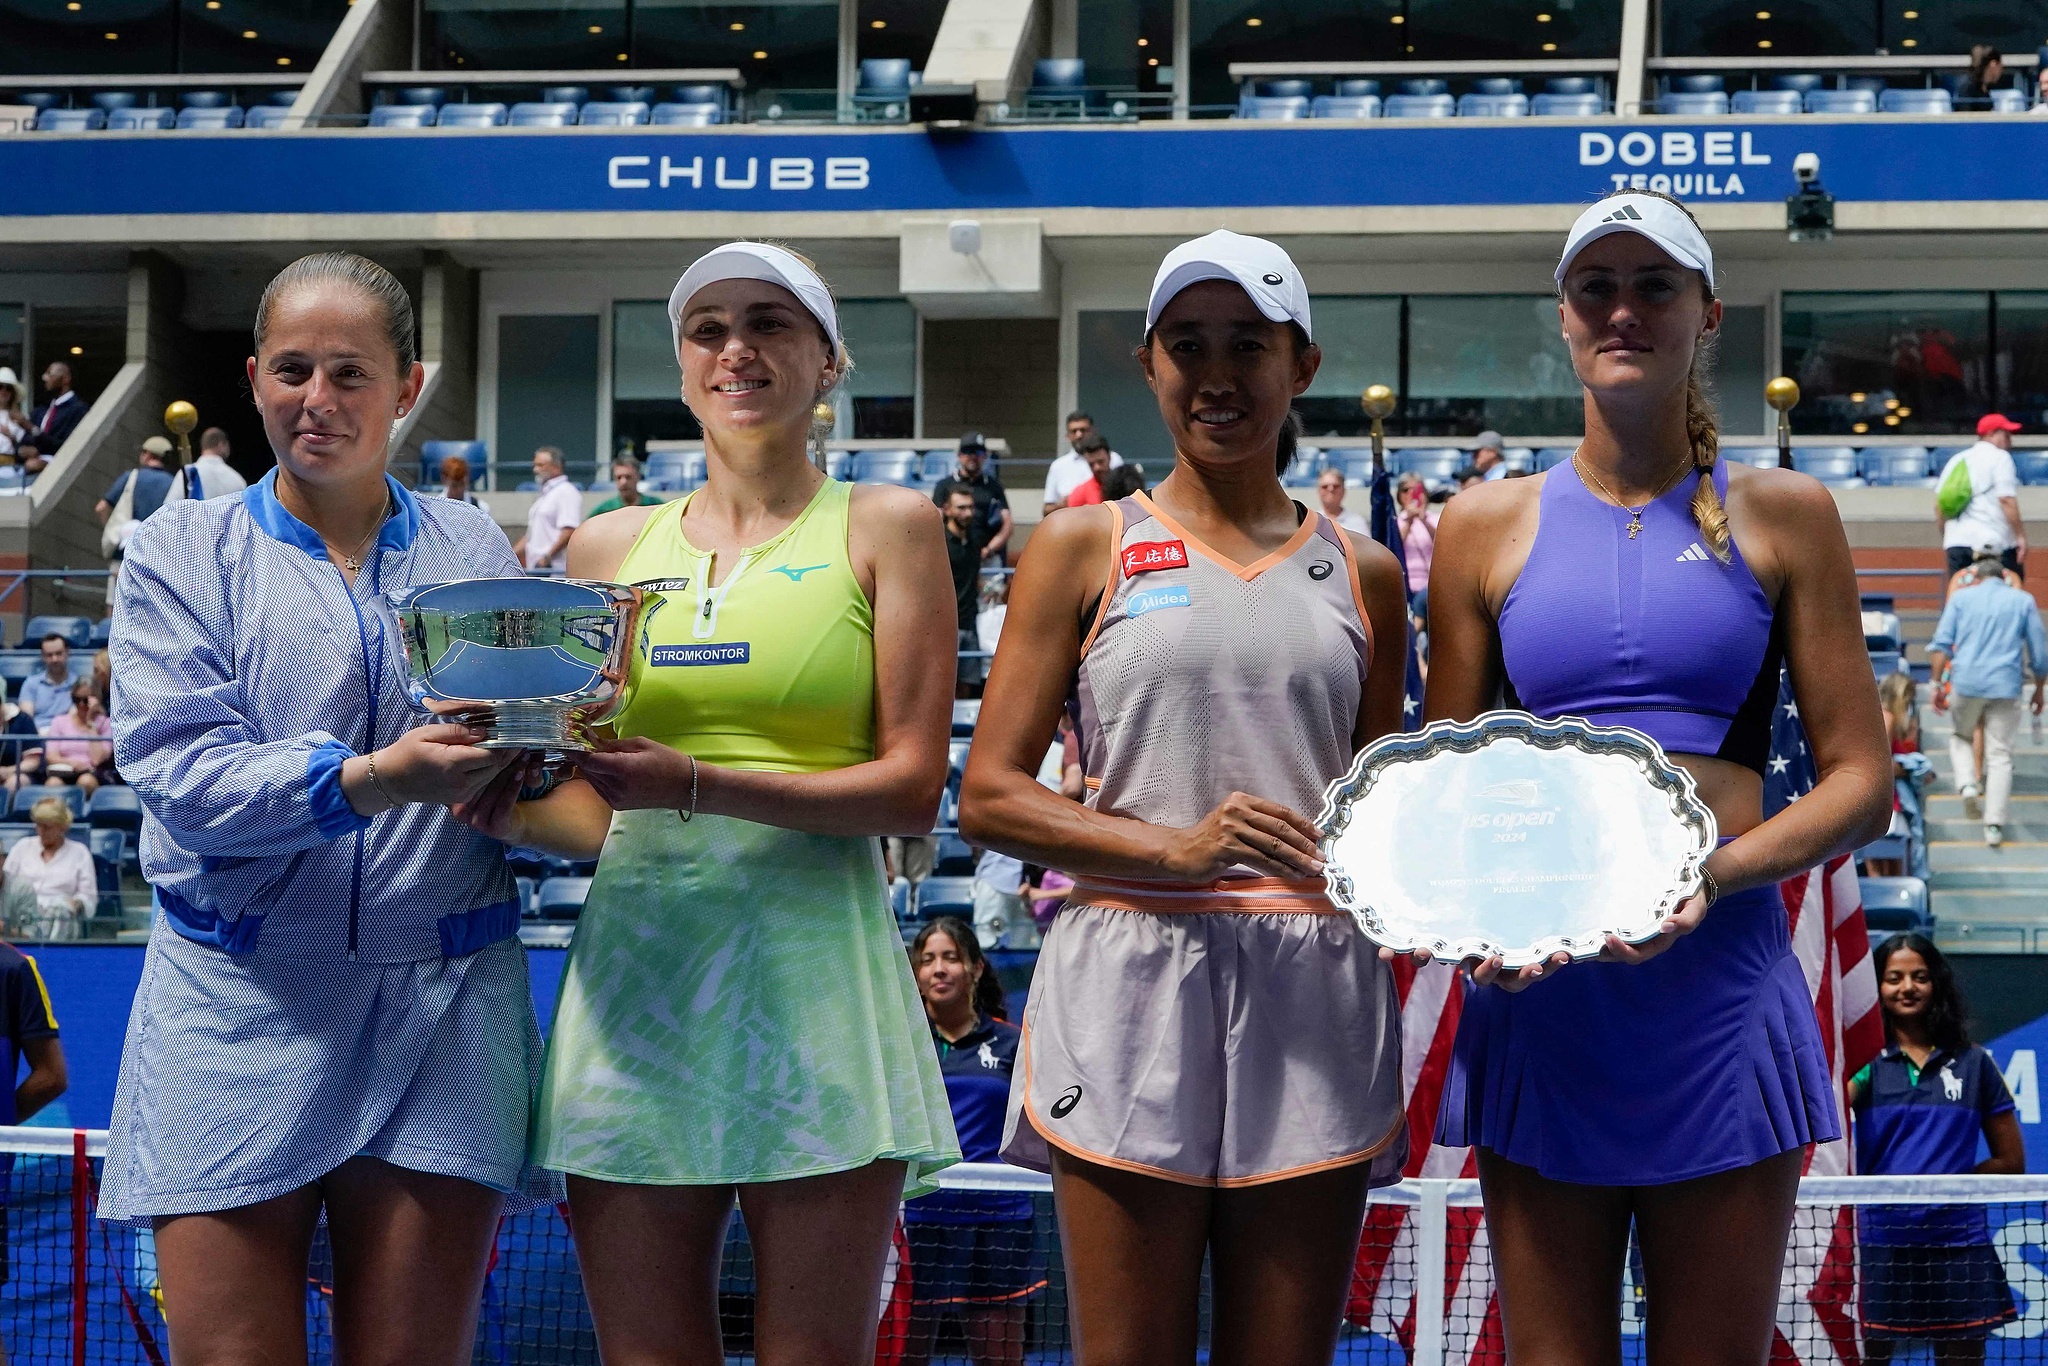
1705, 1059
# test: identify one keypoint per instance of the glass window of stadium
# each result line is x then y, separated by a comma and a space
2021, 328
256, 35
123, 37
647, 401
547, 394
1512, 29
1889, 363
1488, 360
899, 28
1111, 388
881, 392
535, 35
792, 46
1225, 31
1127, 44
1361, 344
1847, 28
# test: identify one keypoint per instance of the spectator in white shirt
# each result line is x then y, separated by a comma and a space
209, 476
1992, 516
1330, 493
13, 421
49, 880
555, 515
1071, 470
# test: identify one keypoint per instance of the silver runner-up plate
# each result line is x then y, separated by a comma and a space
1513, 836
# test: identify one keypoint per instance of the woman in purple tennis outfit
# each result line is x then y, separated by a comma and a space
1676, 1083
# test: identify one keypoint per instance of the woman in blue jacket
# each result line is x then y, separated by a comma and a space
334, 1013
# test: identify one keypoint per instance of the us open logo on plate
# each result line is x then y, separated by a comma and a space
727, 652
1147, 556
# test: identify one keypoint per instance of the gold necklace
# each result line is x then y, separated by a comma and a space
1635, 515
354, 563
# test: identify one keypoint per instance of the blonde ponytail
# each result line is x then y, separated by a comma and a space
1703, 432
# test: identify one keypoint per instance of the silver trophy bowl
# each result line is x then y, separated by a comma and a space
535, 663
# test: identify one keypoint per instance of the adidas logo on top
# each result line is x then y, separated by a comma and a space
1625, 214
1695, 551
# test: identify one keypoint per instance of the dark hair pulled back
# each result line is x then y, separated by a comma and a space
988, 990
360, 273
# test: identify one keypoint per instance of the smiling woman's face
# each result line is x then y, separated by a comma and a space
1224, 374
752, 357
328, 383
1633, 317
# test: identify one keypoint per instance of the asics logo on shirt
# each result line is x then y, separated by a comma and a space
795, 573
1695, 551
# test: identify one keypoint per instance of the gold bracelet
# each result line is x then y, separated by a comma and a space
378, 785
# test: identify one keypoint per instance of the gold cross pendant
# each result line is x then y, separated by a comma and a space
355, 565
1635, 524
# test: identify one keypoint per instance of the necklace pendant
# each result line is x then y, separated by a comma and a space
355, 565
1635, 524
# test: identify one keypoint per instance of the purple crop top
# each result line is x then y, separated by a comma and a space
1652, 633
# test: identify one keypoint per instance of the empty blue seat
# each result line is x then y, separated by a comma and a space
432, 453
1345, 107
2032, 465
27, 797
16, 665
1571, 85
1284, 89
1766, 102
38, 100
1519, 459
2008, 102
539, 114
565, 94
1893, 465
1437, 466
115, 808
687, 115
286, 98
1895, 904
488, 115
629, 94
435, 95
674, 471
561, 898
141, 120
209, 120
267, 116
526, 889
1694, 104
1829, 464
403, 116
1425, 85
110, 100
612, 114
77, 631
102, 634
1915, 102
1697, 83
1355, 85
1053, 75
204, 99
1515, 106
1840, 102
1419, 107
703, 94
1550, 457
1302, 471
1497, 85
884, 76
108, 850
837, 463
1354, 462
71, 120
1273, 107
938, 465
966, 712
937, 896
1553, 106
1759, 457
888, 467
1801, 81
1871, 83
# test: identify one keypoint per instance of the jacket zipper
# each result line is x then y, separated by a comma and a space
355, 888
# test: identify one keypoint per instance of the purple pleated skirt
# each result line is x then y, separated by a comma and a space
1705, 1059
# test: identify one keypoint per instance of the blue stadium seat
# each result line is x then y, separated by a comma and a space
1425, 85
1761, 457
539, 114
102, 633
115, 808
267, 115
1284, 89
1696, 83
490, 115
565, 94
937, 465
1059, 85
13, 833
16, 665
687, 115
1895, 905
2008, 102
1571, 85
1552, 106
1497, 85
1344, 107
1302, 471
1419, 107
1766, 102
837, 464
561, 898
71, 120
38, 100
613, 114
76, 630
2033, 466
1436, 466
1893, 466
883, 93
1482, 106
629, 94
434, 95
1915, 102
704, 94
110, 100
1550, 457
403, 116
109, 852
1801, 81
1840, 102
284, 98
525, 888
10, 479
1829, 464
1354, 86
432, 453
141, 120
209, 120
937, 896
1694, 104
1273, 107
1941, 455
204, 99
1519, 460
966, 712
955, 858
26, 798
674, 471
888, 467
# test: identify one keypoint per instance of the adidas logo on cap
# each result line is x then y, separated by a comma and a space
1625, 214
1695, 551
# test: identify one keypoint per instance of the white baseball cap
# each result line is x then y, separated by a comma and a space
757, 261
1259, 267
1663, 222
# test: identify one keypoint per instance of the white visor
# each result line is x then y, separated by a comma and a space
1259, 267
756, 261
1663, 222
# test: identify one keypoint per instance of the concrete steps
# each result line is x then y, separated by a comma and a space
1988, 900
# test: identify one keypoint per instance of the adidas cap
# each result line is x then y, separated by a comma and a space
1259, 267
757, 261
1663, 222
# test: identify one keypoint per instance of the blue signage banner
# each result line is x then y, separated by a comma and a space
1206, 165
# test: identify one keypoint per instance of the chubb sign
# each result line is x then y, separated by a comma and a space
1685, 163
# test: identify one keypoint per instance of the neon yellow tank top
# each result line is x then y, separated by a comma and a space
772, 669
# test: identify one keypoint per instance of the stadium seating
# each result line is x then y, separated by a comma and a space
674, 471
899, 906
955, 858
1893, 465
266, 115
1519, 460
525, 888
836, 463
1285, 88
1303, 470
1513, 105
1895, 905
26, 798
1914, 102
10, 480
883, 92
13, 833
678, 115
2008, 102
1551, 106
1436, 467
491, 115
1355, 463
1762, 457
76, 630
403, 116
115, 808
141, 120
629, 94
937, 896
38, 100
204, 99
1419, 106
966, 711
1840, 102
1800, 81
432, 453
1059, 85
561, 898
541, 114
1273, 107
110, 100
606, 113
565, 94
1550, 457
2032, 465
1345, 107
1829, 464
888, 467
209, 119
102, 633
71, 120
17, 665
1765, 102
1694, 104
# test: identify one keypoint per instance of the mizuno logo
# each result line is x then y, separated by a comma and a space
1695, 551
1625, 214
795, 573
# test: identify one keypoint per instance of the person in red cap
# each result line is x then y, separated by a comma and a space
1991, 517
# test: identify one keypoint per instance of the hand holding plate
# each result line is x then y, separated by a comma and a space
1683, 921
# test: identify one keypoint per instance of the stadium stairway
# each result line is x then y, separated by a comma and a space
1988, 900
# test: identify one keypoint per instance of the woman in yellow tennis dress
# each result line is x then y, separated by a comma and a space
737, 1010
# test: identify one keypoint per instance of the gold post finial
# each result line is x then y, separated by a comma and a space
1782, 394
180, 418
1378, 402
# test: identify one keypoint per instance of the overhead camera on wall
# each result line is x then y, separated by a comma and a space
1810, 212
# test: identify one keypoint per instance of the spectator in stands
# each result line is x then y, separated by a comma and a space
13, 421
102, 680
971, 1252
1069, 471
335, 1014
991, 500
734, 824
1930, 1272
1095, 453
79, 748
1987, 73
965, 533
54, 422
1911, 772
48, 883
1330, 493
454, 474
130, 501
46, 695
1991, 513
626, 475
1001, 916
2040, 105
21, 752
1986, 636
1486, 456
209, 475
1416, 518
556, 513
1123, 481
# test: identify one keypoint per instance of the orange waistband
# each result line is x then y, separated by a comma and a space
1244, 895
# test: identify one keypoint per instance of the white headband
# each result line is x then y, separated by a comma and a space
757, 261
1260, 268
1659, 220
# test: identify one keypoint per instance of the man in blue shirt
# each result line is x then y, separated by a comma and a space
1987, 633
47, 695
